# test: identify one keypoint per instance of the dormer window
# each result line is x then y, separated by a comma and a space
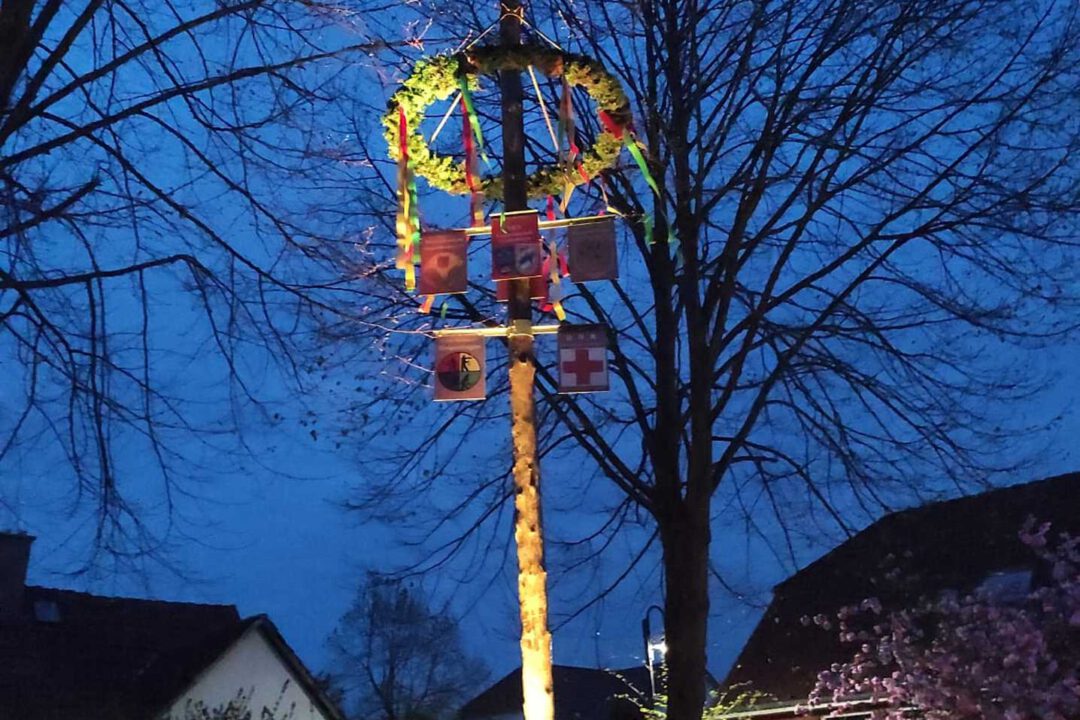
46, 611
1006, 586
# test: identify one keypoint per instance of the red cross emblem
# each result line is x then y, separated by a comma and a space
582, 358
581, 368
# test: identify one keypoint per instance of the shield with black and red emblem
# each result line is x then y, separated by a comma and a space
459, 368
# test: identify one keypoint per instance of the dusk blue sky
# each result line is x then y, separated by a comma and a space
261, 525
284, 547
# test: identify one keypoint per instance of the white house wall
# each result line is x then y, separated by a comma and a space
250, 666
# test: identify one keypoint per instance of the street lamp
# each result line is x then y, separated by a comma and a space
654, 645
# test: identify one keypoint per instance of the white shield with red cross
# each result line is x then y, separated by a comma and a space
583, 358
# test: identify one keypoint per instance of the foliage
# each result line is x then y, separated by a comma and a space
436, 78
719, 702
239, 708
972, 655
396, 658
154, 281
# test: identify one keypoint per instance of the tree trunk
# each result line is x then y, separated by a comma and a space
685, 536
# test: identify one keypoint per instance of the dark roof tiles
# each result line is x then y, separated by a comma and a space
580, 693
105, 656
946, 545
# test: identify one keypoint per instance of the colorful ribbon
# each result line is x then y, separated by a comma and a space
632, 145
575, 151
554, 268
476, 208
572, 158
470, 110
610, 125
607, 208
566, 123
414, 218
408, 220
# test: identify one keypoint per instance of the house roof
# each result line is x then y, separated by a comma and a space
953, 544
72, 655
269, 631
580, 693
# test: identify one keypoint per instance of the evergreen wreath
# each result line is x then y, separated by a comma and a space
437, 78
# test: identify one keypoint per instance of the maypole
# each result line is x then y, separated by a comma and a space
536, 676
517, 268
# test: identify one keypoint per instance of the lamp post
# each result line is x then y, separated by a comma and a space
653, 644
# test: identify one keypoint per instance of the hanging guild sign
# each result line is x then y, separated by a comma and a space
582, 358
444, 266
459, 368
515, 245
592, 250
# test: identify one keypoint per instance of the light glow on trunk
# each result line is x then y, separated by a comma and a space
536, 674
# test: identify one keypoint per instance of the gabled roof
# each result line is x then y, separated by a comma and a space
73, 656
580, 693
93, 656
263, 625
947, 545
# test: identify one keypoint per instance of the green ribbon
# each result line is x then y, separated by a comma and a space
443, 309
414, 213
474, 121
648, 223
635, 152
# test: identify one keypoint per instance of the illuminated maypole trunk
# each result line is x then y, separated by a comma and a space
536, 679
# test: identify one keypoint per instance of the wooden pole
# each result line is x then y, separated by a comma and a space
536, 677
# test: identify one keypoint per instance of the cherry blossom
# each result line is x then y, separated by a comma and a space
968, 655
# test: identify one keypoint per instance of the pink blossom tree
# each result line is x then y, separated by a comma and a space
976, 655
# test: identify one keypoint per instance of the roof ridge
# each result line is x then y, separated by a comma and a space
263, 624
129, 598
982, 496
903, 513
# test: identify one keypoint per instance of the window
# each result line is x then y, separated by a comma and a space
1006, 586
46, 611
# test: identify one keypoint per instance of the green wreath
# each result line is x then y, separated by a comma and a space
434, 79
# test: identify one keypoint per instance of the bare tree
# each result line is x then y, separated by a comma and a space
160, 165
862, 210
397, 658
